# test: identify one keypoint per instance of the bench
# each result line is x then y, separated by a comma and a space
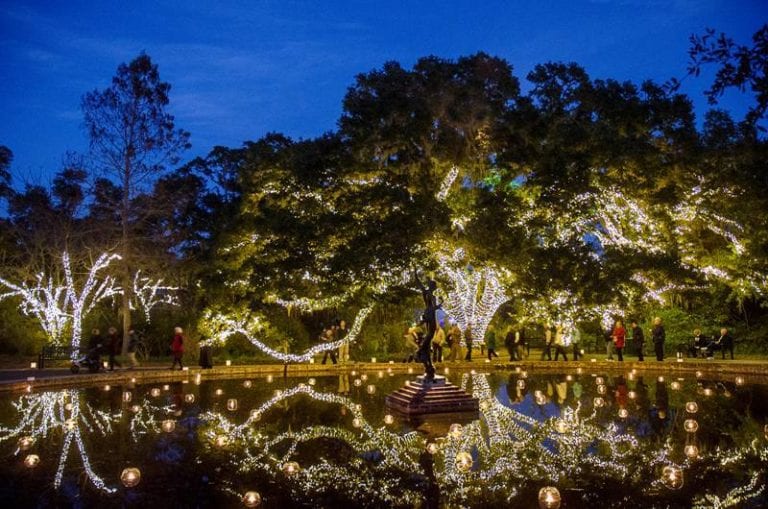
53, 353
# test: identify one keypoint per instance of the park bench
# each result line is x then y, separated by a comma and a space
53, 353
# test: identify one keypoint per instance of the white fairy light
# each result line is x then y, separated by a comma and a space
150, 293
445, 185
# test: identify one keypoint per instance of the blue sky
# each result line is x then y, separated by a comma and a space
242, 69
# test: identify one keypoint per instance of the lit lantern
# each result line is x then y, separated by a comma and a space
691, 451
579, 371
446, 371
517, 369
464, 461
632, 395
592, 360
130, 477
691, 407
353, 373
228, 362
410, 371
765, 431
708, 392
155, 392
599, 381
371, 389
675, 386
31, 461
380, 374
699, 374
455, 430
739, 380
291, 468
672, 477
356, 422
198, 379
388, 419
631, 376
135, 409
660, 379
623, 413
107, 388
270, 379
127, 396
311, 360
549, 498
221, 440
70, 424
523, 374
247, 384
691, 425
232, 404
219, 392
105, 365
373, 360
521, 384
363, 377
311, 381
598, 402
569, 378
432, 448
166, 387
169, 425
68, 407
189, 398
25, 443
358, 382
602, 389
561, 426
251, 499
33, 365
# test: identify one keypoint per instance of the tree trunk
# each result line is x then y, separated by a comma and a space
127, 283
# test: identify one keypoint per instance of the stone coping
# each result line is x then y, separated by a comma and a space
750, 372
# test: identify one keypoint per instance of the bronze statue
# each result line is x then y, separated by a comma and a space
429, 318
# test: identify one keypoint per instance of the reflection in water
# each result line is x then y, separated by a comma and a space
599, 441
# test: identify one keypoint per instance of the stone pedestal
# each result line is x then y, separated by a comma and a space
420, 397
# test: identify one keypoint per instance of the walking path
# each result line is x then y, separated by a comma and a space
748, 371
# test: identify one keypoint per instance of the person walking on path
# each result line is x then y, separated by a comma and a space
177, 347
658, 335
454, 342
113, 347
560, 343
609, 345
468, 338
638, 340
437, 344
576, 343
327, 337
619, 336
490, 342
341, 332
133, 341
547, 343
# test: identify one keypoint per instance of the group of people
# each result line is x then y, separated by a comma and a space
335, 332
703, 346
445, 338
616, 340
112, 346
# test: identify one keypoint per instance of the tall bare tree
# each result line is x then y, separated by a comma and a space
132, 139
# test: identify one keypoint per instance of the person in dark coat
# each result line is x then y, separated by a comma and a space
113, 348
698, 342
327, 337
658, 335
723, 343
638, 340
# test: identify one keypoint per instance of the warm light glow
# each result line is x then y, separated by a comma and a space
691, 451
455, 430
691, 407
291, 468
252, 499
388, 419
464, 461
25, 443
169, 425
549, 498
130, 477
371, 389
672, 477
232, 404
189, 398
31, 461
691, 425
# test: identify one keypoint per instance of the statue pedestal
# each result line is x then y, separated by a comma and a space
440, 396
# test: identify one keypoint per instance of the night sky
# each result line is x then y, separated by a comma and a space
241, 69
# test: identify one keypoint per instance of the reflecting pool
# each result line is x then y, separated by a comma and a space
576, 439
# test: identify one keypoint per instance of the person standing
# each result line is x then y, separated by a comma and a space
619, 335
560, 343
658, 335
341, 333
437, 344
609, 345
509, 343
113, 345
638, 340
327, 337
490, 343
698, 342
133, 341
177, 347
